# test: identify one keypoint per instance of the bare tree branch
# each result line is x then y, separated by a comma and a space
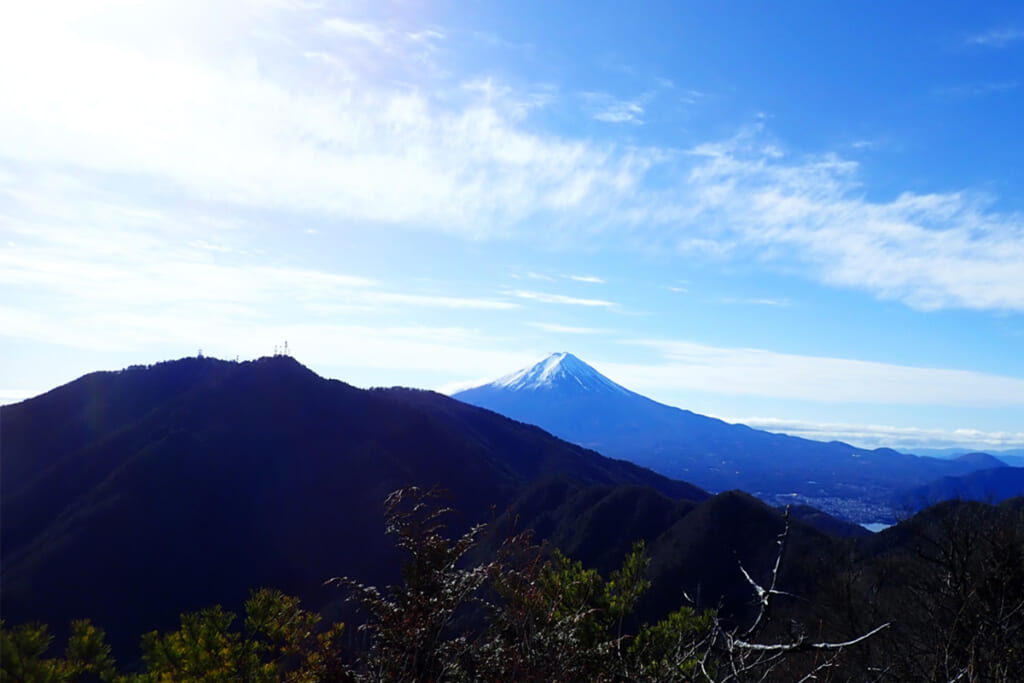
801, 645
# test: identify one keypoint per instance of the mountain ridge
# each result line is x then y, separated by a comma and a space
554, 368
209, 478
841, 479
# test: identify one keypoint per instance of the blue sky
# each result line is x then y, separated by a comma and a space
805, 216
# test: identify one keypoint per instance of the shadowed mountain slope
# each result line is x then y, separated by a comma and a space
696, 547
130, 496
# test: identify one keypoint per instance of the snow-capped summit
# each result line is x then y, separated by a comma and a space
560, 370
572, 400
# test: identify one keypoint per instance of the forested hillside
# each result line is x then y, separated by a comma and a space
936, 598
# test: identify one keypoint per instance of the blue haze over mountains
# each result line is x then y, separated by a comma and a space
572, 400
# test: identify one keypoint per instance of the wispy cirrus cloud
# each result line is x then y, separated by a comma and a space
566, 329
887, 436
977, 89
548, 298
996, 37
758, 302
373, 146
610, 109
349, 39
759, 372
91, 255
115, 263
931, 251
425, 150
531, 275
359, 30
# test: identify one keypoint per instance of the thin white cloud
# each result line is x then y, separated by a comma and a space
184, 278
442, 301
758, 302
115, 276
226, 332
495, 40
381, 37
535, 276
621, 112
587, 278
378, 145
546, 298
930, 251
427, 35
566, 329
887, 436
758, 372
610, 109
996, 37
977, 89
209, 246
360, 30
368, 147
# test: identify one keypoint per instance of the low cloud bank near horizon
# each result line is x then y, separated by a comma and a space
904, 439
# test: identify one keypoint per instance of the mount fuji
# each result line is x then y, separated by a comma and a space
559, 372
572, 400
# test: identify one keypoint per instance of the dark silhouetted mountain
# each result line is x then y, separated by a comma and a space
1013, 505
991, 486
696, 546
129, 497
826, 523
701, 554
596, 523
575, 402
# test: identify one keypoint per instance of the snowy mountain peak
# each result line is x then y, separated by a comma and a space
559, 370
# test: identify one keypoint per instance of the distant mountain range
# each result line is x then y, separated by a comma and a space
1006, 455
990, 486
572, 400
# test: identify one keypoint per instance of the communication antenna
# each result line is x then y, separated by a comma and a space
286, 348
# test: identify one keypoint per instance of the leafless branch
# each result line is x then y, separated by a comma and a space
764, 596
801, 645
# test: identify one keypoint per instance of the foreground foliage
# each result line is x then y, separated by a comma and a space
278, 642
950, 609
